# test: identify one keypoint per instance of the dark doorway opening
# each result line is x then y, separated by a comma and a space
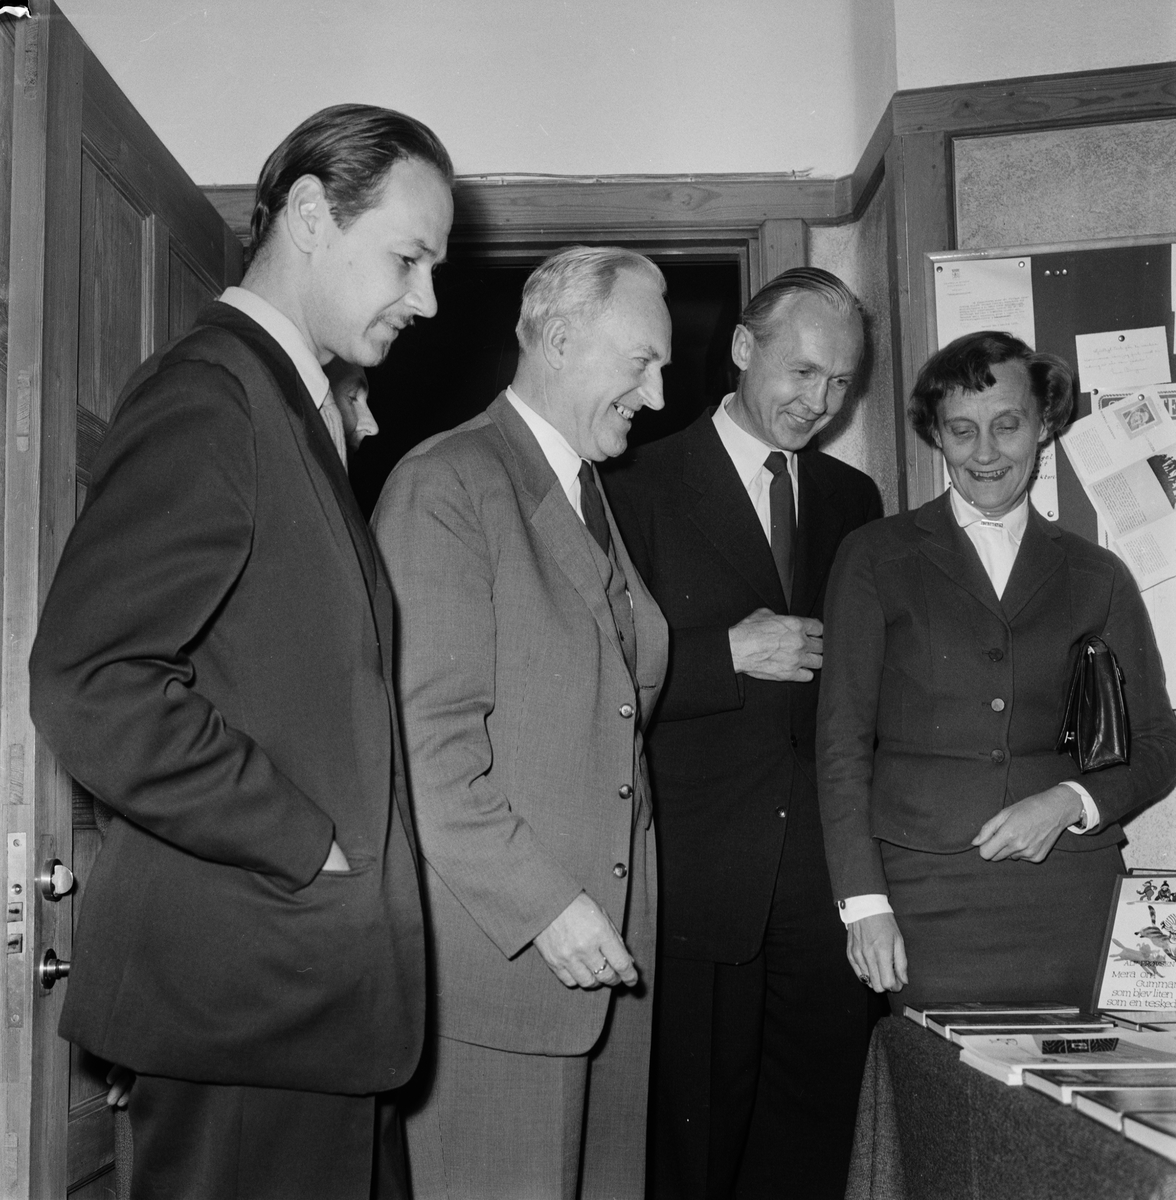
444, 371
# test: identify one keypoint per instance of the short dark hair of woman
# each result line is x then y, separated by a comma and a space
349, 148
966, 365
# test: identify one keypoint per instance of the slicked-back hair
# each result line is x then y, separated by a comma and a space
966, 364
759, 315
577, 283
349, 148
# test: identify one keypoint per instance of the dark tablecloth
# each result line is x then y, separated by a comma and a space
931, 1128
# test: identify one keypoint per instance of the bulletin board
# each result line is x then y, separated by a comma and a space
1106, 307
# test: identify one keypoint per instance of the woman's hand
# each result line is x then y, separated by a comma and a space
1029, 828
876, 952
121, 1080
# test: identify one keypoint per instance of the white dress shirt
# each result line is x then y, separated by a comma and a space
286, 334
997, 542
565, 462
748, 454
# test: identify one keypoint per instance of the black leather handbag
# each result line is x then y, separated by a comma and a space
1095, 729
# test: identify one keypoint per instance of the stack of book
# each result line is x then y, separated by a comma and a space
1116, 1068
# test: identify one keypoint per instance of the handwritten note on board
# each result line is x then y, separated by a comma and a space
1123, 357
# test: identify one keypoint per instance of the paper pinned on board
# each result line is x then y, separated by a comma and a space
1123, 358
1124, 455
985, 293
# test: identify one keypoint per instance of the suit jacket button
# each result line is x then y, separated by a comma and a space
794, 740
619, 871
626, 711
625, 792
781, 811
998, 756
996, 655
998, 705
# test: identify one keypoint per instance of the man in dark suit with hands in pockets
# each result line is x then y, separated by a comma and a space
214, 663
761, 1032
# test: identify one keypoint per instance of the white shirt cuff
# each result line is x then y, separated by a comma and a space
853, 908
1089, 809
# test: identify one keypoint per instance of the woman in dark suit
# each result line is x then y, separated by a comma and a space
971, 860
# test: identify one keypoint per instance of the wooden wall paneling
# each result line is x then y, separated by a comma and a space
919, 212
781, 245
38, 505
1039, 101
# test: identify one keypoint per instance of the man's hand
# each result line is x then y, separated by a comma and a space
121, 1080
583, 949
876, 952
1029, 828
336, 859
766, 645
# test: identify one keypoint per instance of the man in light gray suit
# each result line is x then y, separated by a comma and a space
530, 658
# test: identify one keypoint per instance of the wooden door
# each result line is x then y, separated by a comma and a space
114, 250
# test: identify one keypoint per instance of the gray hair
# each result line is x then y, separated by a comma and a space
577, 282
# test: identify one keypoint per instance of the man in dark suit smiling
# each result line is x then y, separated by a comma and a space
214, 664
761, 1032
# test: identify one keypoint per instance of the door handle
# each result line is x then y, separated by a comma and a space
56, 880
51, 969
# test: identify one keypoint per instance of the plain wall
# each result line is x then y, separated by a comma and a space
534, 86
962, 41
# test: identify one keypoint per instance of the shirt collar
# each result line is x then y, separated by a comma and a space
564, 461
1013, 522
746, 452
286, 334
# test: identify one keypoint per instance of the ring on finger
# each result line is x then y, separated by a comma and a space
601, 969
864, 978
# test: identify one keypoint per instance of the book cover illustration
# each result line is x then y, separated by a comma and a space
1139, 952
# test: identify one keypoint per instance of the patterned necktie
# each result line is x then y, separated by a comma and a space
593, 507
783, 519
333, 420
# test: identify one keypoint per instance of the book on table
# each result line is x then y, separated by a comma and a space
1064, 1083
991, 1008
953, 1025
1137, 968
1112, 1105
1155, 1130
1006, 1056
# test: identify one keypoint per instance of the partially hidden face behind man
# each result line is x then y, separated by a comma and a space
370, 277
796, 380
609, 366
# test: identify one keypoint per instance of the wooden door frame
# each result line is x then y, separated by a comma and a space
64, 103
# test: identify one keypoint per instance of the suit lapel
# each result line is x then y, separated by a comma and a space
719, 506
327, 473
947, 546
1039, 557
553, 518
821, 520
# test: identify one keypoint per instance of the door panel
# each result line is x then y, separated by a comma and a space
120, 250
110, 309
188, 292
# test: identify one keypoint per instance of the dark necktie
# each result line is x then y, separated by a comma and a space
593, 507
783, 519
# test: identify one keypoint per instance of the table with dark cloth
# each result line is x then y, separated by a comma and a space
931, 1128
